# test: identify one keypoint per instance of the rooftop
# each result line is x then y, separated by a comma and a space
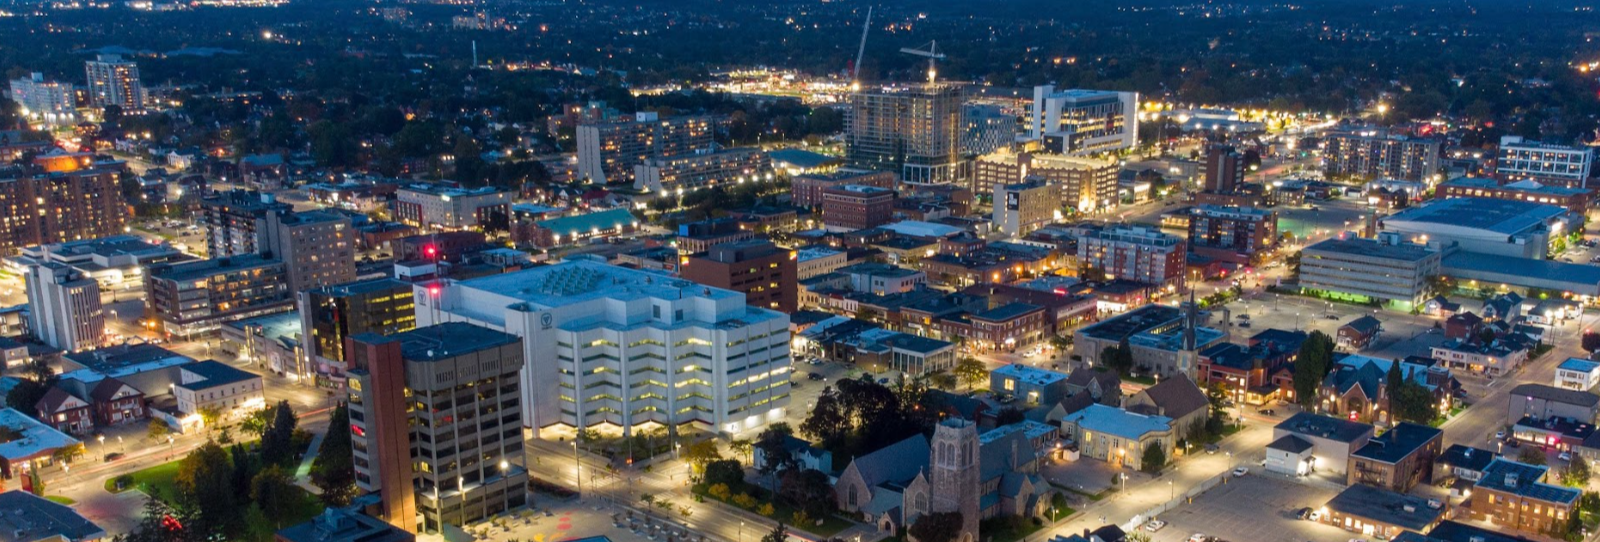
1291, 444
1395, 444
441, 341
1327, 427
1034, 376
363, 287
1496, 215
25, 517
1507, 476
1356, 246
801, 158
208, 268
1386, 507
1524, 186
599, 221
1559, 395
1030, 429
1550, 270
1466, 457
1007, 311
918, 228
213, 373
346, 525
448, 191
574, 281
1579, 364
36, 439
1115, 421
1132, 322
1450, 531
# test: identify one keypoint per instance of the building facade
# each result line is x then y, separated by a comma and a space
331, 314
854, 207
233, 220
189, 299
1023, 207
71, 204
64, 307
1522, 159
1232, 234
1386, 269
49, 102
1082, 122
1371, 155
1137, 253
807, 189
761, 270
317, 248
914, 131
609, 151
449, 208
704, 167
114, 81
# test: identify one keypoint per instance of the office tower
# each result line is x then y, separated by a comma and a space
1386, 270
50, 102
1081, 122
624, 347
1135, 252
193, 298
58, 206
1224, 168
436, 424
608, 151
1086, 185
853, 207
1023, 207
331, 314
762, 271
114, 81
913, 130
64, 307
807, 188
317, 248
987, 128
233, 220
450, 208
1521, 159
1371, 155
1232, 234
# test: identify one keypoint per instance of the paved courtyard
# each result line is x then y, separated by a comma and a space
1249, 509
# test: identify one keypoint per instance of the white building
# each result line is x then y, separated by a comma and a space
608, 345
815, 261
114, 81
1521, 159
1081, 122
234, 393
446, 207
1509, 228
1577, 374
50, 102
65, 307
115, 262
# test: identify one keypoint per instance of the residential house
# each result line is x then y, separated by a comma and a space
1246, 370
115, 402
1104, 386
1462, 325
1577, 374
1441, 306
1398, 459
66, 413
1465, 462
1359, 333
1506, 306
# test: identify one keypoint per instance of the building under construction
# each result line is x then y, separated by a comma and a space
914, 130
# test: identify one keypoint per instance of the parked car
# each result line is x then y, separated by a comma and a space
1154, 525
1303, 513
1241, 471
1565, 456
1499, 435
1198, 537
816, 376
1244, 324
1267, 411
1211, 448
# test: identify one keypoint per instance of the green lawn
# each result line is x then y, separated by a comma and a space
831, 525
60, 500
157, 481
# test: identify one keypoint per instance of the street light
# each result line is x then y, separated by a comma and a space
577, 469
741, 531
1171, 491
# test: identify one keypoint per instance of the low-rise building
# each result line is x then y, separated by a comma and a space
1385, 270
1465, 462
1577, 374
343, 525
1177, 398
210, 384
1033, 385
1117, 436
447, 207
26, 517
1398, 459
853, 207
1516, 496
1381, 513
1359, 333
1574, 199
1494, 359
1544, 402
1332, 439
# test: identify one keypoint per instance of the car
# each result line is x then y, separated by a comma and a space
1244, 324
884, 380
1303, 513
816, 376
1243, 317
1565, 456
1331, 316
1267, 411
1198, 537
1241, 471
1154, 525
1211, 448
1499, 435
815, 361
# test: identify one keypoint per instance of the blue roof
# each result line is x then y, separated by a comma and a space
586, 223
1030, 375
1115, 421
214, 373
1517, 478
801, 158
1493, 268
1579, 364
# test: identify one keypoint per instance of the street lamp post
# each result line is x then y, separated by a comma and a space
577, 469
741, 531
1172, 492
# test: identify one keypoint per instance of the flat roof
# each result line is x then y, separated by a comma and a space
363, 287
1559, 395
589, 222
1030, 374
802, 158
34, 439
1480, 266
918, 228
1328, 427
578, 280
1522, 186
1395, 444
1007, 311
1579, 364
1517, 478
1386, 507
1356, 246
440, 341
25, 517
1132, 322
214, 373
1496, 215
1115, 421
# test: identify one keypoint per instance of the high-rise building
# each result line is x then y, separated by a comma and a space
50, 102
624, 347
436, 421
114, 81
608, 151
1080, 122
1386, 270
331, 314
233, 221
761, 270
193, 298
1520, 159
807, 189
914, 131
1232, 234
1085, 184
450, 208
853, 207
64, 307
1023, 207
1224, 168
1371, 155
987, 128
1135, 252
317, 248
704, 167
59, 206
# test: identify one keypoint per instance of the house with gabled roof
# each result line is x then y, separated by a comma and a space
115, 402
1359, 333
1506, 306
1177, 398
65, 412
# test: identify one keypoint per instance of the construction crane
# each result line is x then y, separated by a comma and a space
933, 54
855, 71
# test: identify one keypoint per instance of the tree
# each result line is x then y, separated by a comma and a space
1413, 403
209, 416
937, 527
1155, 458
333, 470
971, 371
274, 491
256, 423
1532, 455
809, 491
720, 491
157, 430
1118, 358
744, 500
701, 453
778, 534
277, 442
205, 486
1009, 415
1576, 474
1312, 364
25, 396
67, 454
767, 509
1591, 341
744, 447
727, 472
158, 523
827, 422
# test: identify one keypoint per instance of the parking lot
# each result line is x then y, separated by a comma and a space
1251, 508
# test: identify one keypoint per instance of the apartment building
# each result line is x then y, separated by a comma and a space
189, 299
1239, 235
436, 424
1083, 122
618, 346
609, 151
1517, 496
64, 307
59, 204
703, 167
1135, 252
855, 207
1023, 207
762, 271
317, 248
449, 208
1086, 185
233, 221
1575, 200
1372, 155
331, 314
49, 102
1522, 159
114, 81
913, 130
1386, 269
807, 189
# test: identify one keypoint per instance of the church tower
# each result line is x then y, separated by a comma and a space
954, 469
